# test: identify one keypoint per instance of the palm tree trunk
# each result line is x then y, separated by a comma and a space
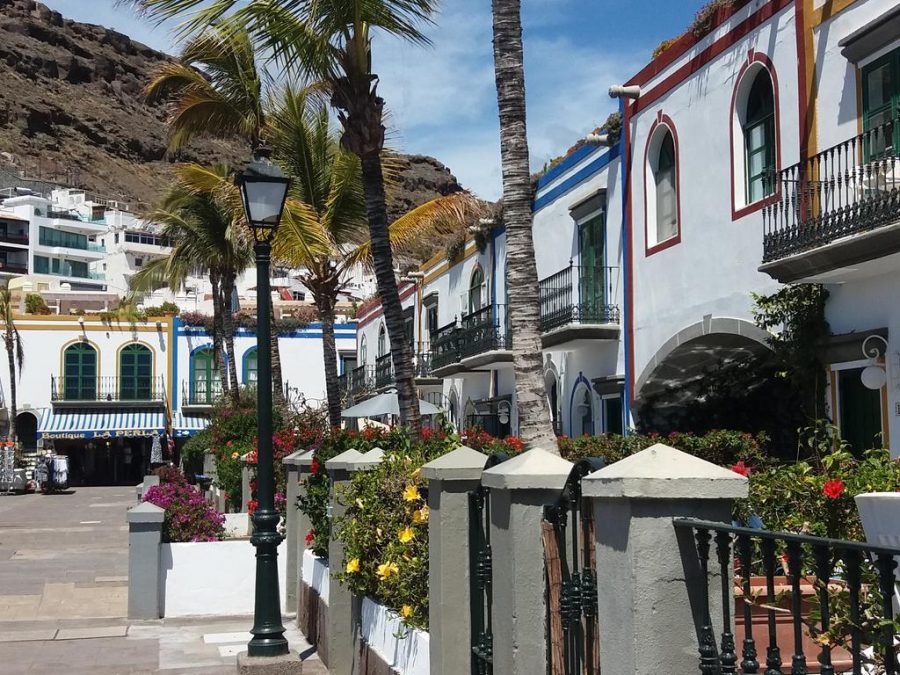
535, 426
228, 329
11, 358
329, 356
218, 361
401, 350
277, 383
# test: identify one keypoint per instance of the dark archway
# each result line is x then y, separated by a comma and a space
26, 430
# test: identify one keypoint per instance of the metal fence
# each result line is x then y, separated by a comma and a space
839, 597
86, 389
568, 297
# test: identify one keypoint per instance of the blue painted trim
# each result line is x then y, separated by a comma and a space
294, 336
626, 267
176, 325
552, 174
577, 178
581, 379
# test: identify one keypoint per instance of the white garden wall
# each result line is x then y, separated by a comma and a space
211, 578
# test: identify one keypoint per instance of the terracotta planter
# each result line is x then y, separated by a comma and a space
784, 625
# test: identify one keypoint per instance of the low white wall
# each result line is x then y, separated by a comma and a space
315, 574
403, 649
215, 578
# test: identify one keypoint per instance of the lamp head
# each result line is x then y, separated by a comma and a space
264, 189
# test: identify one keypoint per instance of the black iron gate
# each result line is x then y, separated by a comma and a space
480, 564
573, 645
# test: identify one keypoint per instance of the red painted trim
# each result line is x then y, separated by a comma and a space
752, 58
629, 250
688, 41
377, 310
700, 61
662, 120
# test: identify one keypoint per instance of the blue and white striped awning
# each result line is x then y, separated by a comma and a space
184, 426
70, 424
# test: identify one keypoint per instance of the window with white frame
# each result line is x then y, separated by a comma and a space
661, 185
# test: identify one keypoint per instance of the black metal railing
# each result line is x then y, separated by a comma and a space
384, 371
844, 625
342, 384
204, 392
444, 350
481, 577
851, 187
568, 530
114, 389
569, 297
423, 364
483, 331
361, 380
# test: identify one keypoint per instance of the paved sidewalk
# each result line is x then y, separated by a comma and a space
82, 647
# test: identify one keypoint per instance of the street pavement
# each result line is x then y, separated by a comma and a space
64, 597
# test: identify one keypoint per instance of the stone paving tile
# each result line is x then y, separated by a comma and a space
87, 633
27, 635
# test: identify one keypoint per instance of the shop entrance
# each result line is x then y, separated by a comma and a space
105, 461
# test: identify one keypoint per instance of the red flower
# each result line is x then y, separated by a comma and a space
309, 537
515, 443
426, 433
314, 466
230, 443
252, 505
833, 488
741, 468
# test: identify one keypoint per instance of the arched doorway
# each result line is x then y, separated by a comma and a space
26, 431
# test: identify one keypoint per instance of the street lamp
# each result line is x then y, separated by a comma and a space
263, 191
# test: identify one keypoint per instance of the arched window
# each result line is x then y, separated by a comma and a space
382, 341
251, 367
80, 372
363, 350
135, 373
476, 290
453, 410
759, 137
666, 190
582, 412
205, 381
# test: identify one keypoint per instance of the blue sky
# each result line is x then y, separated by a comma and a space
442, 100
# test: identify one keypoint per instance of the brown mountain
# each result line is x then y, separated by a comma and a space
72, 113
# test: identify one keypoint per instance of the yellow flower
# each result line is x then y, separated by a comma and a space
353, 566
235, 455
411, 493
407, 535
420, 516
416, 474
406, 611
359, 503
385, 570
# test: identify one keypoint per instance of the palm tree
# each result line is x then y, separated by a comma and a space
206, 230
327, 190
535, 426
15, 355
331, 43
216, 88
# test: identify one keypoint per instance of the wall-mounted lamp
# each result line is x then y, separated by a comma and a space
598, 139
873, 376
621, 91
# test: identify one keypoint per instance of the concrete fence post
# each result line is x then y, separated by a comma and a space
520, 488
144, 538
450, 479
649, 581
339, 655
293, 534
246, 493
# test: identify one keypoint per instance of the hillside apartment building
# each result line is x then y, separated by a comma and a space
759, 149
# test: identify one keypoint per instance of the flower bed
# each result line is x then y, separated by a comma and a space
188, 517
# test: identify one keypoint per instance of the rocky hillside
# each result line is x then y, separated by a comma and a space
71, 112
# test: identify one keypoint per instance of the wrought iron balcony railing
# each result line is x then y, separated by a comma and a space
384, 371
573, 295
849, 188
70, 389
444, 349
361, 380
423, 364
204, 392
484, 331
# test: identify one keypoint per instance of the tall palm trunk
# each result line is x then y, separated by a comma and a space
401, 350
277, 382
227, 288
218, 330
535, 426
9, 339
325, 303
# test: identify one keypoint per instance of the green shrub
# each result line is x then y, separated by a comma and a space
35, 304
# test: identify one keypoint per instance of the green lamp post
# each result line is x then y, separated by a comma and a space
263, 191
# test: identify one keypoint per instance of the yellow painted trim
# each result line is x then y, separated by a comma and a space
170, 357
829, 10
437, 257
447, 266
419, 292
128, 344
88, 329
76, 341
93, 318
812, 85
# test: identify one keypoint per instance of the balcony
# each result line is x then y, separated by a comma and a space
384, 371
836, 210
574, 306
480, 339
18, 238
13, 267
200, 394
360, 381
422, 368
82, 392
